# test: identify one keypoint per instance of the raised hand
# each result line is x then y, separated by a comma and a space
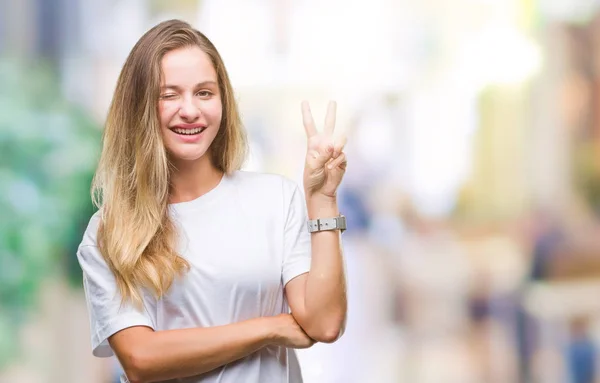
325, 160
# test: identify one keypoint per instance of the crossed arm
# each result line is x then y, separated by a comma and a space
317, 300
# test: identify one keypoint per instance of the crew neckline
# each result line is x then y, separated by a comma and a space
204, 200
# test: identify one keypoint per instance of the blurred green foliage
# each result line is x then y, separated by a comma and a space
48, 152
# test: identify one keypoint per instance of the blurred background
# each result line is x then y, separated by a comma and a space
472, 193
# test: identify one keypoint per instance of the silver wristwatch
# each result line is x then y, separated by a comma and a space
322, 224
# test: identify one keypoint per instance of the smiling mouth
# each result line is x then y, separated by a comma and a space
189, 132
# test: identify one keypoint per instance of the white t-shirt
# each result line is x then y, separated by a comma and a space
244, 240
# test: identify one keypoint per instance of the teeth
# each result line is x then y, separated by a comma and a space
188, 131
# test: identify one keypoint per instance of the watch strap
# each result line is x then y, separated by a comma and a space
323, 224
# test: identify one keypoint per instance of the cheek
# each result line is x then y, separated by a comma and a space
165, 113
213, 110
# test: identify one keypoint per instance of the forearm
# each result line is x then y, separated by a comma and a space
171, 354
325, 298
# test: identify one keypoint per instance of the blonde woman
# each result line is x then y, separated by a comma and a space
191, 266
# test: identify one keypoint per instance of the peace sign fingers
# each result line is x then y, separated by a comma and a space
309, 123
325, 160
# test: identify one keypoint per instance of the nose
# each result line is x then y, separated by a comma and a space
188, 110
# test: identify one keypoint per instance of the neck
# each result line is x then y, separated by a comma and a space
192, 179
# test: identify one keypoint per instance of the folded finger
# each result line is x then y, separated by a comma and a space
340, 160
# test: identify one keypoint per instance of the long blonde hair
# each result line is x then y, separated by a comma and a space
131, 186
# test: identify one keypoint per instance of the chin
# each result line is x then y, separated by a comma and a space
188, 155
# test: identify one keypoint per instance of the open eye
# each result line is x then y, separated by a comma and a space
204, 93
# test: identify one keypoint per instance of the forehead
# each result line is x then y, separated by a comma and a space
187, 65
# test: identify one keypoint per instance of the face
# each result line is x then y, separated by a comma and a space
189, 106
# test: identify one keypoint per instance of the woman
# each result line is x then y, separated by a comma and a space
191, 266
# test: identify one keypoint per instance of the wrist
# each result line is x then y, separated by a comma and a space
320, 197
322, 206
271, 332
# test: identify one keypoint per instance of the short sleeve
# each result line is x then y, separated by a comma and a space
296, 241
107, 314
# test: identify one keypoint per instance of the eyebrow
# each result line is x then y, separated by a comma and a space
198, 85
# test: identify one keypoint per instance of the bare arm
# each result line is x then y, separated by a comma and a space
149, 356
318, 298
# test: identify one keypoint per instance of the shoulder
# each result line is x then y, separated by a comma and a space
261, 192
88, 254
265, 182
91, 231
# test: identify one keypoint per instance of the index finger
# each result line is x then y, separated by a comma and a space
307, 120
